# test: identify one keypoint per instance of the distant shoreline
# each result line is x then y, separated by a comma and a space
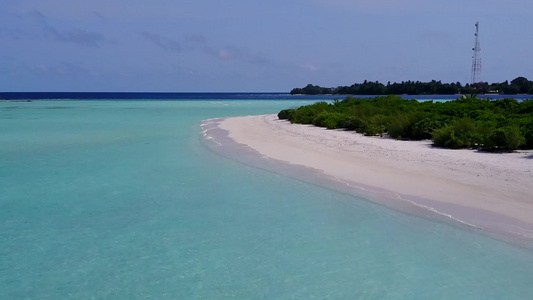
519, 85
8, 96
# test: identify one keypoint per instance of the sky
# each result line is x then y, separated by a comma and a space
256, 46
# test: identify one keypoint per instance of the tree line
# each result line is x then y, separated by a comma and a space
519, 85
468, 122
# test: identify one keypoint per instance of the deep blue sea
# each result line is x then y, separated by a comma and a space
122, 199
142, 96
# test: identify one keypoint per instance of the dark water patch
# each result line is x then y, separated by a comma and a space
58, 107
139, 96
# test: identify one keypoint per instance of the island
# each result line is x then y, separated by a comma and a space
468, 122
519, 85
388, 159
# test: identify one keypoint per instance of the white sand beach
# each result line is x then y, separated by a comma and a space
491, 191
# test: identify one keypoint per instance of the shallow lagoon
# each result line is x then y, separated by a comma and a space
122, 200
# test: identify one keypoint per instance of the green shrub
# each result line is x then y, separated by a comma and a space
462, 133
374, 129
506, 138
526, 106
375, 125
463, 123
422, 130
318, 120
286, 114
306, 114
330, 120
352, 123
513, 137
508, 105
397, 126
527, 131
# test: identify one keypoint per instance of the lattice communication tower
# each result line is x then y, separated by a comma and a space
476, 59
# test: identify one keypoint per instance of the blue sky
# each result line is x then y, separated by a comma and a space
247, 45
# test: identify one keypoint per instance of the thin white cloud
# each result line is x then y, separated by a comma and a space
198, 43
195, 38
34, 25
424, 6
310, 68
77, 36
229, 53
62, 68
163, 42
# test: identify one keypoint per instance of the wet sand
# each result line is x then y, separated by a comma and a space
489, 191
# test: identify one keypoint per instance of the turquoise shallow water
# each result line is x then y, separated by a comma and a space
122, 200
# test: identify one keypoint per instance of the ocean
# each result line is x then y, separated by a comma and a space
124, 199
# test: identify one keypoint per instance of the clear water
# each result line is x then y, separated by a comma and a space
122, 200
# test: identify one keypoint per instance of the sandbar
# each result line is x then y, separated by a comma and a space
488, 191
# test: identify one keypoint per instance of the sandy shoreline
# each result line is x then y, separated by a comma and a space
489, 191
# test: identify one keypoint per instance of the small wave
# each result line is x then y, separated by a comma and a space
207, 126
526, 233
214, 140
425, 207
349, 184
211, 121
432, 209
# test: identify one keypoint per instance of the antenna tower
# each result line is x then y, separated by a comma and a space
476, 59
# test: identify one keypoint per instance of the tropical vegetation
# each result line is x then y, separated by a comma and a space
519, 85
471, 122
